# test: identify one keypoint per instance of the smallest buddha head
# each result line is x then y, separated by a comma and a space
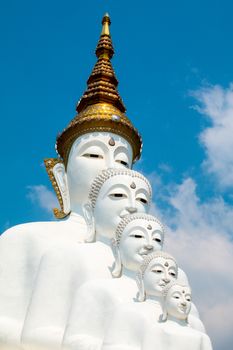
177, 301
136, 236
114, 194
157, 270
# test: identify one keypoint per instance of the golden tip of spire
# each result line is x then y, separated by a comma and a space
106, 23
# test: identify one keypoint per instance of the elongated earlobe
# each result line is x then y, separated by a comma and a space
163, 316
117, 267
89, 218
61, 179
141, 290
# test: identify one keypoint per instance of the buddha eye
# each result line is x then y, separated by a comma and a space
157, 239
173, 274
176, 297
142, 200
137, 236
157, 271
92, 155
123, 163
118, 195
188, 298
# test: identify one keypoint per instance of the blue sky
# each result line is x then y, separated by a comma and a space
174, 64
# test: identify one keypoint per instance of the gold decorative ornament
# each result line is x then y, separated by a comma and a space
49, 165
101, 107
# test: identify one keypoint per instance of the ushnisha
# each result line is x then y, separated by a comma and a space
136, 236
99, 137
174, 331
114, 194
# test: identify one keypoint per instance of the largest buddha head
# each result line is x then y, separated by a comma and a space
99, 137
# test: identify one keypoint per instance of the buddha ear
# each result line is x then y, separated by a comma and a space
163, 316
141, 289
90, 221
117, 267
61, 179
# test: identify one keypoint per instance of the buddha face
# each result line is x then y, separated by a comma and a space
139, 238
119, 196
90, 154
158, 274
178, 301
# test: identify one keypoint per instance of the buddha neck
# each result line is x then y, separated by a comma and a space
103, 239
128, 273
153, 299
172, 319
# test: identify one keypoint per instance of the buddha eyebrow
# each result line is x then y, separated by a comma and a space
157, 265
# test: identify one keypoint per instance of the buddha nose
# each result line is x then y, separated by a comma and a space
131, 210
166, 280
184, 303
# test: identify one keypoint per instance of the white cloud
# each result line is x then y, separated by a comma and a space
42, 196
216, 103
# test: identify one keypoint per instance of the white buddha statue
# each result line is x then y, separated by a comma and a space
175, 332
136, 236
129, 322
114, 194
99, 137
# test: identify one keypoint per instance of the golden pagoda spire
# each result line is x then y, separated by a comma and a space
102, 83
101, 107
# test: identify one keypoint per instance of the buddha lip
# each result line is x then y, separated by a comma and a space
162, 284
144, 253
183, 308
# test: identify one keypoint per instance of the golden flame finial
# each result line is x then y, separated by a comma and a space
106, 23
